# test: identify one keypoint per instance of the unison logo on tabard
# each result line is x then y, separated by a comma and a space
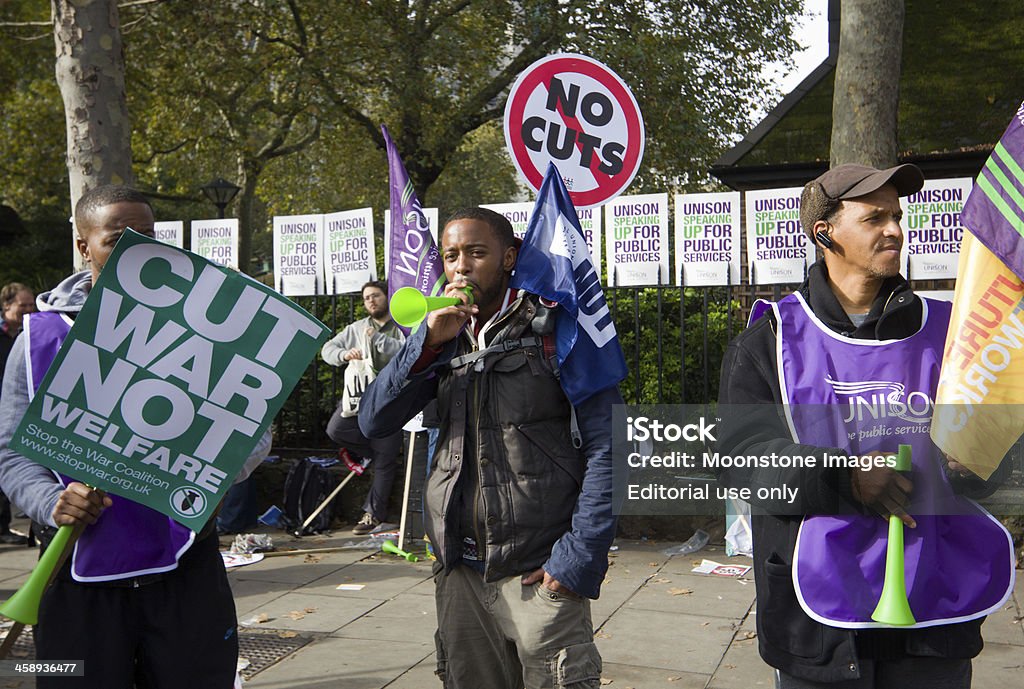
878, 399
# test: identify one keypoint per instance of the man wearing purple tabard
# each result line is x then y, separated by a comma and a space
848, 366
143, 601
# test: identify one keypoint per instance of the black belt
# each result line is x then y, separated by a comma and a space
132, 583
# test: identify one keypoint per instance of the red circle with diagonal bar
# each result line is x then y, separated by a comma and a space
573, 111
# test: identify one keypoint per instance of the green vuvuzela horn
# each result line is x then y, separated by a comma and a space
893, 606
409, 306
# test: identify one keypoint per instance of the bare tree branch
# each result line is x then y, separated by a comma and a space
277, 138
474, 112
153, 194
156, 153
299, 50
137, 3
300, 26
125, 28
299, 145
29, 39
443, 17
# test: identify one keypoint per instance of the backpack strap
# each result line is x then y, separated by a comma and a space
500, 347
543, 326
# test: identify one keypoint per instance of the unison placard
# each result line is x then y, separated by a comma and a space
590, 223
708, 239
216, 240
169, 376
298, 269
170, 232
933, 229
517, 213
778, 251
637, 240
349, 258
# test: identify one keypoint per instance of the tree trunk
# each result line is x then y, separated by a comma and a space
249, 172
866, 99
90, 74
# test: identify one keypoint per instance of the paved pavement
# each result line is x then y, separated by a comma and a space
659, 626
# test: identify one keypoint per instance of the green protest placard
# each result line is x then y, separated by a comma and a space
169, 376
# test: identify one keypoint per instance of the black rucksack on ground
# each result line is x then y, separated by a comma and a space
307, 485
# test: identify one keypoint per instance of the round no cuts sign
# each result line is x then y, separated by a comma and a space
573, 111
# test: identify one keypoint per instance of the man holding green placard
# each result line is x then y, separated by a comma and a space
143, 600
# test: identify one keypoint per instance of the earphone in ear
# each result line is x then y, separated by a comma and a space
823, 239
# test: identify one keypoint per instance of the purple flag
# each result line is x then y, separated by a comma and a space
994, 211
554, 263
414, 260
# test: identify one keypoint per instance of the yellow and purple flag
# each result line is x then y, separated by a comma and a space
979, 410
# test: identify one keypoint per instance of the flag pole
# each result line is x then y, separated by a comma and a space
405, 495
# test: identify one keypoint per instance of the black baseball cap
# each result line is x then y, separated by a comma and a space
821, 196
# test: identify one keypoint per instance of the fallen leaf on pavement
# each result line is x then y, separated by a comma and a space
256, 619
680, 592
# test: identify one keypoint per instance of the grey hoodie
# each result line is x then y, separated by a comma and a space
30, 486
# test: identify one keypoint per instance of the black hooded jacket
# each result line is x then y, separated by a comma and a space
788, 639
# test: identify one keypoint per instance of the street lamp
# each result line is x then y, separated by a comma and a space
220, 192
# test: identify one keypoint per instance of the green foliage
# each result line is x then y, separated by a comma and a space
962, 75
33, 179
695, 69
40, 257
480, 172
286, 98
31, 134
676, 371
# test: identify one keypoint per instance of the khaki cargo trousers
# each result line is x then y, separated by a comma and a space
504, 635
